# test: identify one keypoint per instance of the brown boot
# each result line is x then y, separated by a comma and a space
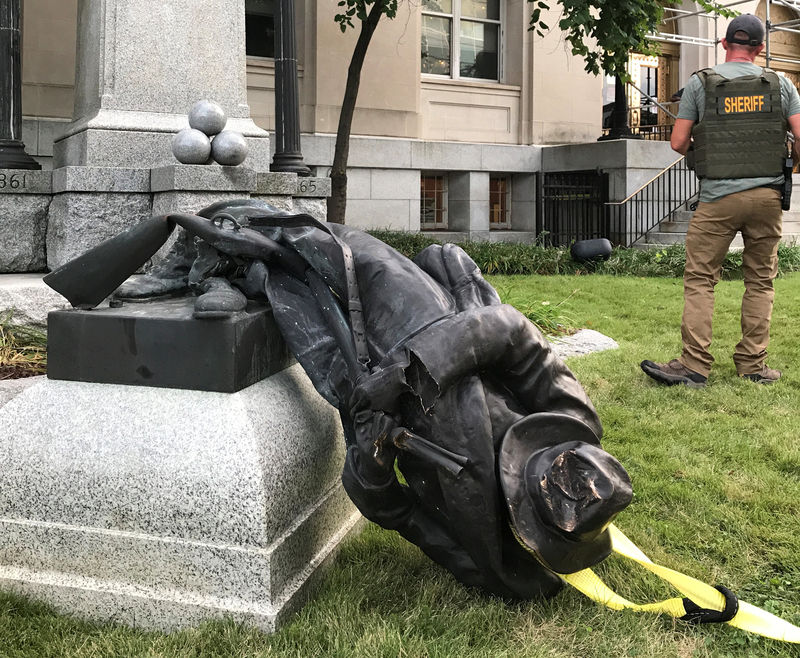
169, 277
766, 375
673, 373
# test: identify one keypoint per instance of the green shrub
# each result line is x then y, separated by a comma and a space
516, 258
406, 242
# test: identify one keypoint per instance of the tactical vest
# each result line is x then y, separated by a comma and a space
742, 133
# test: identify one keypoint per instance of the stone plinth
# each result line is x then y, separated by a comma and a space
140, 68
312, 197
159, 344
190, 188
91, 205
24, 202
309, 194
164, 507
316, 207
125, 147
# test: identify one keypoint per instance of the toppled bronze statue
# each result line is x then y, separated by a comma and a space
505, 482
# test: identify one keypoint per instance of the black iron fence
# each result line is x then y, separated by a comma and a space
574, 205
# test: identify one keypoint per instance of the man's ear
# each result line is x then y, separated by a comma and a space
759, 48
724, 44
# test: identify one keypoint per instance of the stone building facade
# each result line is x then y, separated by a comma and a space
458, 104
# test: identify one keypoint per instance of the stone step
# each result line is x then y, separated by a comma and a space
674, 227
790, 228
789, 216
659, 239
682, 215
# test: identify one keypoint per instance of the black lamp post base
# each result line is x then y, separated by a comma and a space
291, 163
13, 156
619, 128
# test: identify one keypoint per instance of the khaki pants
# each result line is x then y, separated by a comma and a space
757, 214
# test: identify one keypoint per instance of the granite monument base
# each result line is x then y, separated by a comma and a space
91, 205
161, 508
24, 201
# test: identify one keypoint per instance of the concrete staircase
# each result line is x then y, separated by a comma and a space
673, 230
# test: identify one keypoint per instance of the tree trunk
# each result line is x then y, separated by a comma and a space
337, 203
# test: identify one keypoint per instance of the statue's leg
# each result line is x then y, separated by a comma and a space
457, 273
210, 278
169, 276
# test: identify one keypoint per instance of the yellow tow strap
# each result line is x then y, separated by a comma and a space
748, 617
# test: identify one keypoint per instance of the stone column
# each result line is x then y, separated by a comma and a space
523, 202
288, 156
140, 68
468, 203
12, 150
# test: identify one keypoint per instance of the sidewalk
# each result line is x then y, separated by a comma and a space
29, 298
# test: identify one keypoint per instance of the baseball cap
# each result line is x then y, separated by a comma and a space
748, 23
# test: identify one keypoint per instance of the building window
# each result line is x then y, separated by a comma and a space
433, 201
461, 38
499, 202
259, 25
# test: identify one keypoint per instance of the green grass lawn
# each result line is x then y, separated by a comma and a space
716, 475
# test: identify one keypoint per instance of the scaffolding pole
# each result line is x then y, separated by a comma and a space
792, 26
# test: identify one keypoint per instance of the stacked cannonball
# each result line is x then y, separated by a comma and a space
206, 141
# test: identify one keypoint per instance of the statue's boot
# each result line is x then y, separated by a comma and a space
219, 299
168, 277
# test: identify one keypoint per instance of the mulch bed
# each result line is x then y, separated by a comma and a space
18, 372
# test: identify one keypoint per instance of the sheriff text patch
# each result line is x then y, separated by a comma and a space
738, 104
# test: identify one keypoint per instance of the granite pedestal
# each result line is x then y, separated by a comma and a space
140, 68
164, 507
308, 194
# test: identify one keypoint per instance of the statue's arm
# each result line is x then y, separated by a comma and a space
501, 342
394, 506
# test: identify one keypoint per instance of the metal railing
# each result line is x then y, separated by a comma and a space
633, 218
657, 133
574, 205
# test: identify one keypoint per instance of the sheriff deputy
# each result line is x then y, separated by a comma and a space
733, 119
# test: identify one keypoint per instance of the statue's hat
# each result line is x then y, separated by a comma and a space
562, 490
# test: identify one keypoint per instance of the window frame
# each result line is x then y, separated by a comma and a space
505, 206
443, 195
456, 18
274, 35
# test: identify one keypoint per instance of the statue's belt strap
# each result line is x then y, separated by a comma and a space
354, 307
354, 304
701, 603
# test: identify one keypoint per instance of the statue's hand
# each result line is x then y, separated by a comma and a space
376, 452
380, 390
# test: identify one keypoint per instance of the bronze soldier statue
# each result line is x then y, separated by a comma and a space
465, 433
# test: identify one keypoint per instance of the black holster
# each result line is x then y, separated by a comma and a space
786, 192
